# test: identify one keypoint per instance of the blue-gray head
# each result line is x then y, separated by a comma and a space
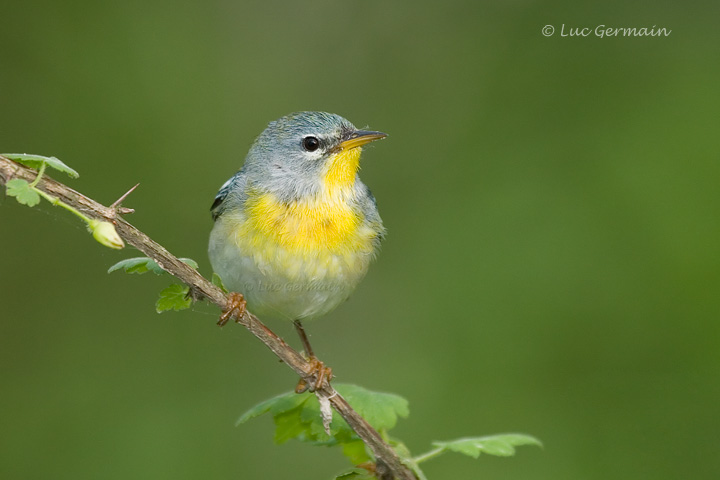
302, 154
307, 152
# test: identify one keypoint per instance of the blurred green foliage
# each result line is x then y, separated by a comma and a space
552, 264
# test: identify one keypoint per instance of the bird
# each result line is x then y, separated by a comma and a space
295, 228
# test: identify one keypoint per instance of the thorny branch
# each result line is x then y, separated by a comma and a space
389, 465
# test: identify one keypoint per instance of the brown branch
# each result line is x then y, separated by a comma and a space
389, 464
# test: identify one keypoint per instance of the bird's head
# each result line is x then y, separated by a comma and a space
309, 153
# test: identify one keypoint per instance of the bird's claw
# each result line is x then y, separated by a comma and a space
322, 376
235, 307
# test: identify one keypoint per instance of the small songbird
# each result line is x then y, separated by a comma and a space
295, 229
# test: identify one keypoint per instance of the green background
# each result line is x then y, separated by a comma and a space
552, 264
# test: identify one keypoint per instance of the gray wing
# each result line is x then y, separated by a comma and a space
232, 193
368, 206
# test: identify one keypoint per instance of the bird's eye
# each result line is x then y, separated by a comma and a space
310, 143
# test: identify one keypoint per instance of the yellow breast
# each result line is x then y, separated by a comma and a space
320, 236
308, 227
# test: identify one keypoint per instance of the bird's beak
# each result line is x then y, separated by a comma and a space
358, 138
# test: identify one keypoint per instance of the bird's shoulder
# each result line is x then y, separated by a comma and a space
232, 193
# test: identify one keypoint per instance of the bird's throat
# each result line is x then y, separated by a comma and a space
341, 170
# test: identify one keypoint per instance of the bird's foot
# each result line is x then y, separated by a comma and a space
319, 374
235, 307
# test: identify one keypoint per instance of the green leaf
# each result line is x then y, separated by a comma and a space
190, 262
356, 474
298, 416
217, 281
23, 192
381, 410
175, 297
401, 449
288, 425
137, 265
356, 452
276, 405
144, 264
36, 161
502, 445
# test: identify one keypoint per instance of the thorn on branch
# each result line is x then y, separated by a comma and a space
116, 204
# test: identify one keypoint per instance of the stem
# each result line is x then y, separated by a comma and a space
54, 200
39, 175
58, 203
428, 455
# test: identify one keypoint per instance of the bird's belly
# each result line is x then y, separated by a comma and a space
291, 280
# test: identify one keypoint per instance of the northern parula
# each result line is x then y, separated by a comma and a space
295, 229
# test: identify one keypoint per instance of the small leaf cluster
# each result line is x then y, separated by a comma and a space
174, 297
25, 192
298, 417
28, 194
142, 265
